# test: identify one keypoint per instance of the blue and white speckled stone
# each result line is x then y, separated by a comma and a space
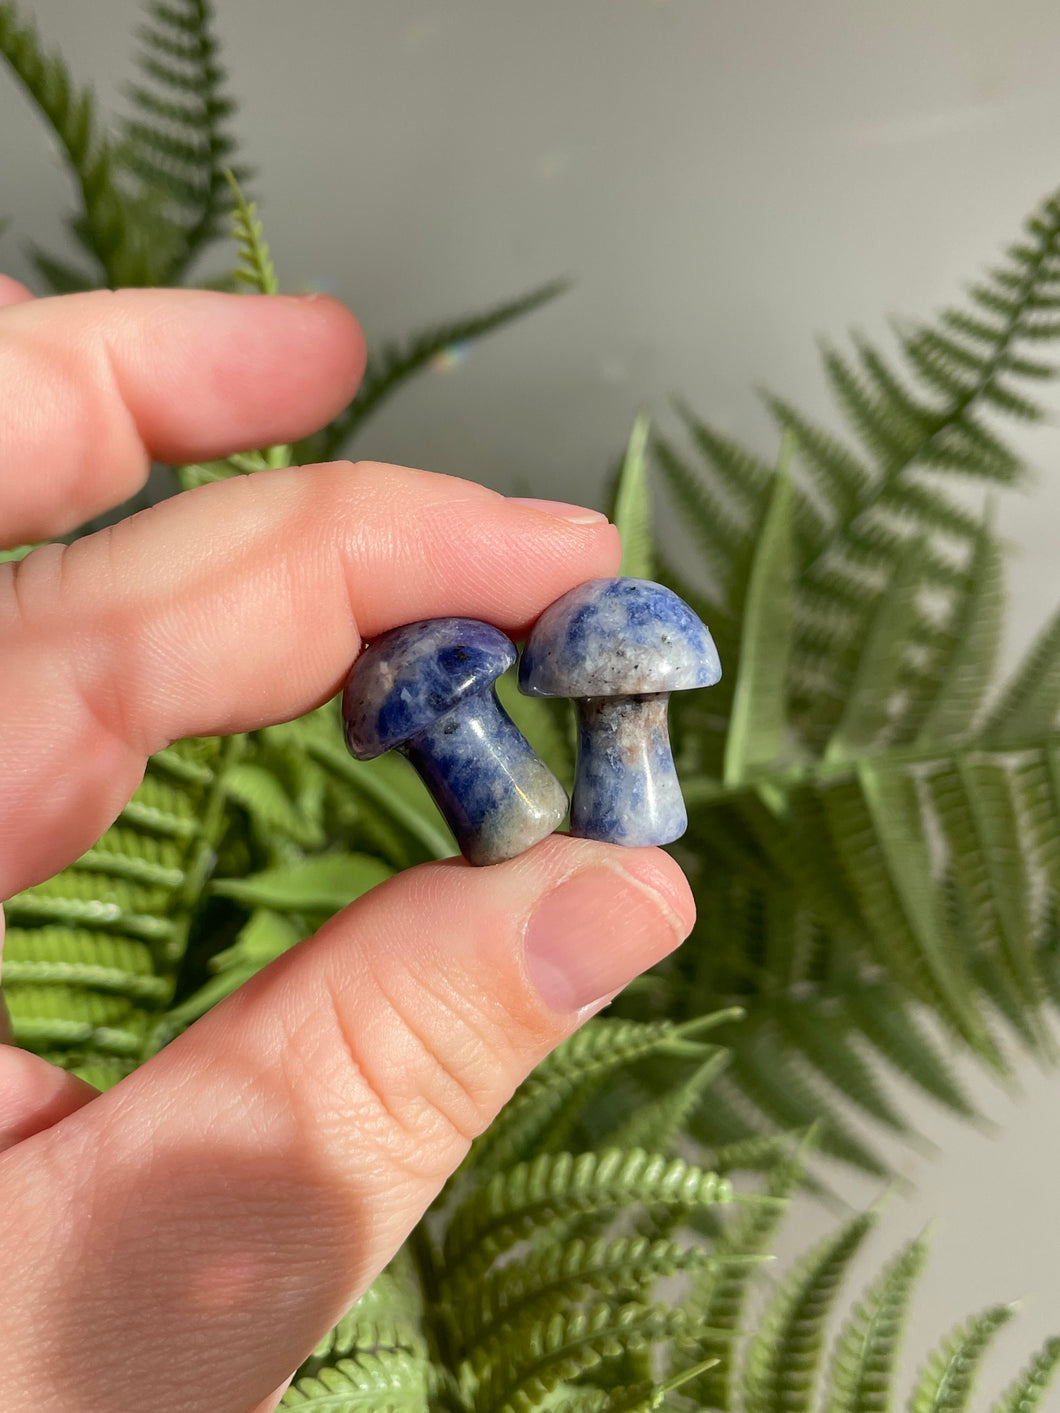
618, 636
409, 677
426, 689
498, 797
620, 647
626, 790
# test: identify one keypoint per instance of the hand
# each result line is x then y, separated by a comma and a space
181, 1242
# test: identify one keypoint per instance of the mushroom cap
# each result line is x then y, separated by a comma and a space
408, 677
618, 637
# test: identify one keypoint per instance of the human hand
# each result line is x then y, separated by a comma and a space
180, 1243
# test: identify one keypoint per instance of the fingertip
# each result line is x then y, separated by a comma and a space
664, 876
13, 292
35, 1095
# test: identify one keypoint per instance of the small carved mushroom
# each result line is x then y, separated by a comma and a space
620, 647
427, 690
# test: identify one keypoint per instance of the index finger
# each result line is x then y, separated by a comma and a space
98, 385
235, 605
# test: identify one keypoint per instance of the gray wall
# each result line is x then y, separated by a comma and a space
725, 180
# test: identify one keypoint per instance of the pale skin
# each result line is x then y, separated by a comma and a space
180, 1243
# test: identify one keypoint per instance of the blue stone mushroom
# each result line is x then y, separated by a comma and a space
427, 690
620, 647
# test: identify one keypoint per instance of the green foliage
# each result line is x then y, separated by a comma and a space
874, 837
389, 369
782, 1358
784, 1355
151, 189
874, 818
632, 511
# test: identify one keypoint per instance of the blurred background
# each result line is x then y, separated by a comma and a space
723, 181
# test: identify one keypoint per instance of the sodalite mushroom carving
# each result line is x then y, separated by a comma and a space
620, 647
427, 690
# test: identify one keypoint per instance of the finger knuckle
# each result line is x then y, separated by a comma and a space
416, 1074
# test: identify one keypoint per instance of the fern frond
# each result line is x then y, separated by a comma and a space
324, 883
181, 142
97, 950
865, 1352
882, 1014
393, 1381
104, 228
632, 509
964, 673
1026, 1392
757, 727
776, 1083
1031, 698
948, 1378
662, 1119
394, 366
388, 1317
783, 1357
559, 1275
825, 1040
718, 1297
554, 1187
521, 1375
256, 268
580, 1066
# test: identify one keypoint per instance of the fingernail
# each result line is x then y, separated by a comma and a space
576, 514
598, 930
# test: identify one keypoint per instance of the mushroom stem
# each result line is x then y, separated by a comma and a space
626, 789
497, 796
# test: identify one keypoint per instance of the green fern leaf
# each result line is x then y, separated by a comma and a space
866, 1350
70, 113
948, 1378
256, 268
324, 883
632, 514
1025, 1394
661, 1120
974, 808
554, 1187
393, 1381
1031, 699
559, 1275
839, 476
965, 673
720, 532
268, 804
783, 1357
565, 1346
823, 1038
580, 1066
876, 827
757, 727
865, 716
718, 1297
886, 1019
775, 1081
181, 143
388, 1317
394, 366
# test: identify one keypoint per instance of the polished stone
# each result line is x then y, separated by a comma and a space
612, 636
427, 690
406, 678
620, 647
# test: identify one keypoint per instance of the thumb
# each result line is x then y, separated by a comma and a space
227, 1202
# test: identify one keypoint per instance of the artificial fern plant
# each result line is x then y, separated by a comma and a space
878, 833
